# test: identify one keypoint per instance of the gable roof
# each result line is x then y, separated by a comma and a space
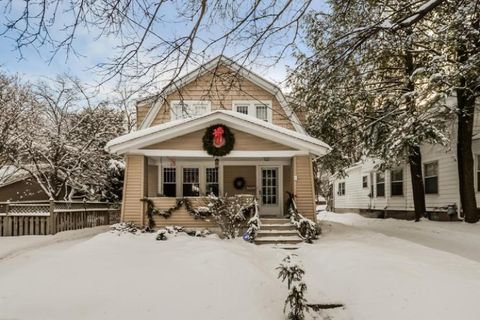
208, 67
162, 132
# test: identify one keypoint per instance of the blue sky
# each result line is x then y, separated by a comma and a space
35, 63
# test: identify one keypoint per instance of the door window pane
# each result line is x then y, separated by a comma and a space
269, 186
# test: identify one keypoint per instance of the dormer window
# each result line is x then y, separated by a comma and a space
259, 109
188, 108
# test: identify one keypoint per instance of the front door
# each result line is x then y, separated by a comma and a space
270, 192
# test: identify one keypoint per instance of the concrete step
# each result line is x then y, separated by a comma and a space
276, 233
278, 240
274, 220
277, 226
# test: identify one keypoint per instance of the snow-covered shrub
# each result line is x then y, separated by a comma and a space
162, 234
253, 225
307, 229
231, 213
292, 271
124, 227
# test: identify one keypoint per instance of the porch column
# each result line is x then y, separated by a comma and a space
134, 189
303, 186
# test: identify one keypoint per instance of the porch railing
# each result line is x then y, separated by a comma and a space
49, 217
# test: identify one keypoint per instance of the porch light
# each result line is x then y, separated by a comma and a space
217, 162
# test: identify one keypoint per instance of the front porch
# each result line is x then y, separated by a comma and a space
166, 179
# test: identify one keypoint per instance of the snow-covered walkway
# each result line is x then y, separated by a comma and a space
459, 238
135, 277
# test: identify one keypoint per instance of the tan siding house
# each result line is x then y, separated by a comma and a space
166, 158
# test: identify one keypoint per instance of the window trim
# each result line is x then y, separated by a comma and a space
366, 180
252, 109
162, 180
344, 188
188, 102
477, 170
397, 181
376, 184
425, 177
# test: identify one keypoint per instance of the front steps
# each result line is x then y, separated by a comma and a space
277, 231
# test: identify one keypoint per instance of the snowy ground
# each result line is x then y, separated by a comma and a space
135, 277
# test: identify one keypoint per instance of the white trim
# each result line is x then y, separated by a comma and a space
235, 120
209, 66
252, 105
189, 103
268, 209
204, 154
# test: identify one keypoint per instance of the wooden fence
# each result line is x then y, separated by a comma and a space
49, 217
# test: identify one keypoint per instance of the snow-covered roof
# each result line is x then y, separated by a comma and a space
235, 120
211, 65
11, 174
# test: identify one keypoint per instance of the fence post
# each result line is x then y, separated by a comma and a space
53, 217
8, 220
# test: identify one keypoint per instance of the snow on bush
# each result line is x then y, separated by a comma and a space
124, 227
174, 230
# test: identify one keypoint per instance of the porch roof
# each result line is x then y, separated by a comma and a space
162, 132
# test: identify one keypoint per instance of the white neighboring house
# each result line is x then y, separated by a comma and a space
365, 188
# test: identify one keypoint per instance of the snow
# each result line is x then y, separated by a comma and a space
375, 276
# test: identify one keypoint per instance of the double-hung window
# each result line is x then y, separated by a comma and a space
430, 171
191, 182
211, 181
341, 189
259, 109
169, 182
188, 108
396, 182
365, 182
380, 184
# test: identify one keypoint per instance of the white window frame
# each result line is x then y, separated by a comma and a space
397, 181
190, 104
252, 107
341, 191
426, 177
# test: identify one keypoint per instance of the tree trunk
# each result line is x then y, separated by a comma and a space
415, 161
465, 114
414, 154
466, 172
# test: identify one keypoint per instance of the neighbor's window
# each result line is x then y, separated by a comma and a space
364, 182
380, 184
396, 182
258, 109
341, 189
191, 182
478, 172
169, 182
430, 171
188, 109
211, 182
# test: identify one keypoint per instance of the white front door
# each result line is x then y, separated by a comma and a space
269, 186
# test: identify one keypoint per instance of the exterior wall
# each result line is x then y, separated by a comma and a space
180, 217
152, 178
22, 190
303, 186
221, 90
134, 189
357, 197
243, 141
230, 173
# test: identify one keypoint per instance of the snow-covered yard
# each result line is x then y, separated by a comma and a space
135, 277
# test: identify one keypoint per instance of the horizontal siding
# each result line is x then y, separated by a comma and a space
133, 189
243, 142
181, 217
303, 186
221, 90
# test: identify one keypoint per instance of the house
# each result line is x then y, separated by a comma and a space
18, 185
264, 150
367, 189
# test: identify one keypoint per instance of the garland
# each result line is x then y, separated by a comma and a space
197, 213
209, 143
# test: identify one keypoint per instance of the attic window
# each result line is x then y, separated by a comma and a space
187, 109
259, 109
